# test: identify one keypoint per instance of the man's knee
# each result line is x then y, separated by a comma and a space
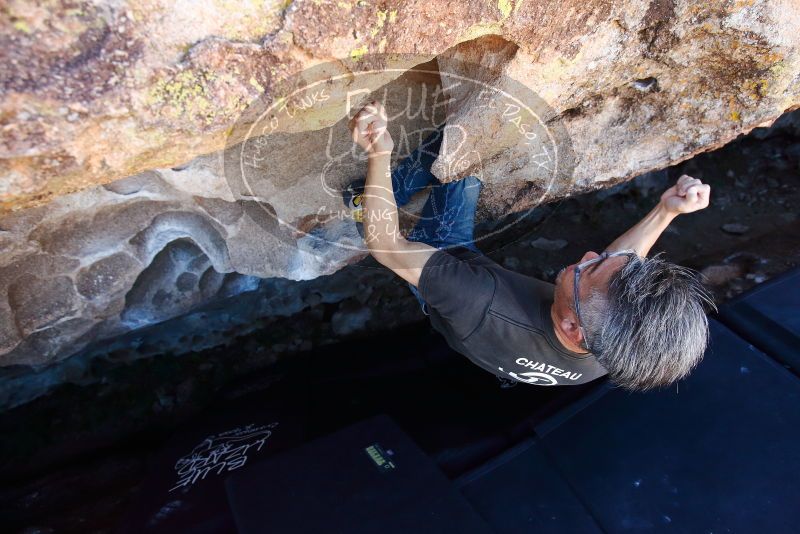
471, 188
473, 182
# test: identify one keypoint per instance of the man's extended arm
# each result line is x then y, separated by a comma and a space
380, 218
686, 196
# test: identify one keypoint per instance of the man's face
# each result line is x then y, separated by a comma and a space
595, 276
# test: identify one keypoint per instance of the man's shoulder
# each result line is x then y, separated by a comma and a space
455, 268
461, 254
461, 261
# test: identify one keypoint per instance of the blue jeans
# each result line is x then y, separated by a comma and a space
448, 217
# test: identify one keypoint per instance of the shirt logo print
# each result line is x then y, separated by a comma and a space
533, 377
540, 374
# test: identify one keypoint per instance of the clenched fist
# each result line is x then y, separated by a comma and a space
370, 129
687, 195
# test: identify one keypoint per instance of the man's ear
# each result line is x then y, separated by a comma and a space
571, 329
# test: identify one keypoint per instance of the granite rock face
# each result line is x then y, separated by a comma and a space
139, 251
129, 130
97, 91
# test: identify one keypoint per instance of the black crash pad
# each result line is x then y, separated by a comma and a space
520, 492
768, 316
184, 490
719, 453
368, 478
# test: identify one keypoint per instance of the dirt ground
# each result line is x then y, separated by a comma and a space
73, 460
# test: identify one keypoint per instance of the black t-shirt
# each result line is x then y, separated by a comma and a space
500, 320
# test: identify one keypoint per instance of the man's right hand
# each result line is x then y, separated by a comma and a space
370, 129
686, 196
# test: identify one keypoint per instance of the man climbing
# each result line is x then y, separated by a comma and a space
640, 320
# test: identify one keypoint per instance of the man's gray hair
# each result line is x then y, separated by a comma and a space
651, 328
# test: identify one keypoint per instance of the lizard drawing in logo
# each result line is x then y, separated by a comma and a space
538, 379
